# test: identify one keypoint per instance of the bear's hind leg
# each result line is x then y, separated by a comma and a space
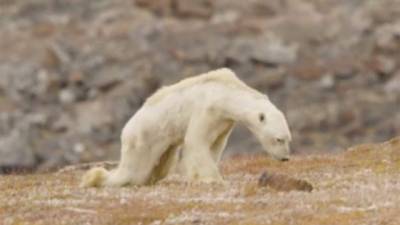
137, 162
167, 164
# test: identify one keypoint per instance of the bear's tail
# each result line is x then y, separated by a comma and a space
95, 177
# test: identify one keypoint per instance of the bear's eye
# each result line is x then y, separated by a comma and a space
261, 117
280, 140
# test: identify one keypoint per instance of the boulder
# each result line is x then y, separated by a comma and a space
16, 152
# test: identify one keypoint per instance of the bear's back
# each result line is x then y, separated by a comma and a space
222, 76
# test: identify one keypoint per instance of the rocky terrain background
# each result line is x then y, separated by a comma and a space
72, 72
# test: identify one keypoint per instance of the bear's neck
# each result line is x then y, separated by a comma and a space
240, 106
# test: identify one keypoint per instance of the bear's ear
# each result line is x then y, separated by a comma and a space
261, 117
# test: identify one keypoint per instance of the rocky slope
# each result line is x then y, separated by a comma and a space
359, 186
72, 72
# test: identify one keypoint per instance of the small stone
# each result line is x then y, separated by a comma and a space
268, 8
382, 65
198, 8
38, 119
76, 77
48, 82
93, 93
273, 78
62, 123
158, 7
284, 183
347, 116
392, 87
79, 148
307, 70
387, 65
327, 81
387, 37
343, 68
274, 52
67, 96
225, 17
249, 190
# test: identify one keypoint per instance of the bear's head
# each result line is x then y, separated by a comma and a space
269, 125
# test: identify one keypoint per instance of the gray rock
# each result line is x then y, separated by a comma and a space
387, 36
266, 50
273, 52
327, 81
198, 8
92, 115
16, 151
179, 8
67, 96
383, 66
392, 86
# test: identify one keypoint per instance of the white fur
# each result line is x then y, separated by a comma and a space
184, 128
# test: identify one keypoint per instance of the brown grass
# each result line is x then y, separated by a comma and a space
360, 186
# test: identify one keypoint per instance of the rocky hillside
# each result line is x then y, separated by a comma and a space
72, 72
359, 186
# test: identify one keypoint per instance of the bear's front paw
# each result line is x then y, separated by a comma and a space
207, 178
210, 180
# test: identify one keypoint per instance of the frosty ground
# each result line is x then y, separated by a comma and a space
358, 186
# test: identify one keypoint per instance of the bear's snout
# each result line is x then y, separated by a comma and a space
284, 159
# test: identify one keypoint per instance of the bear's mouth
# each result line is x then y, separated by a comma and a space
278, 157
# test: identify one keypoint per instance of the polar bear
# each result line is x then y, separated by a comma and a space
184, 128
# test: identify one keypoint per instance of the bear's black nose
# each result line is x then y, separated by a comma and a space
285, 159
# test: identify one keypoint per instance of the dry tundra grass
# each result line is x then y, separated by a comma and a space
359, 186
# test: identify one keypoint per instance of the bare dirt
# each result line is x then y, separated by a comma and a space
359, 186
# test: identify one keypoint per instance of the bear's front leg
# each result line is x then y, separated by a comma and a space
197, 162
198, 165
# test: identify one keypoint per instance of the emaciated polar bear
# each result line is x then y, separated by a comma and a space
184, 128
